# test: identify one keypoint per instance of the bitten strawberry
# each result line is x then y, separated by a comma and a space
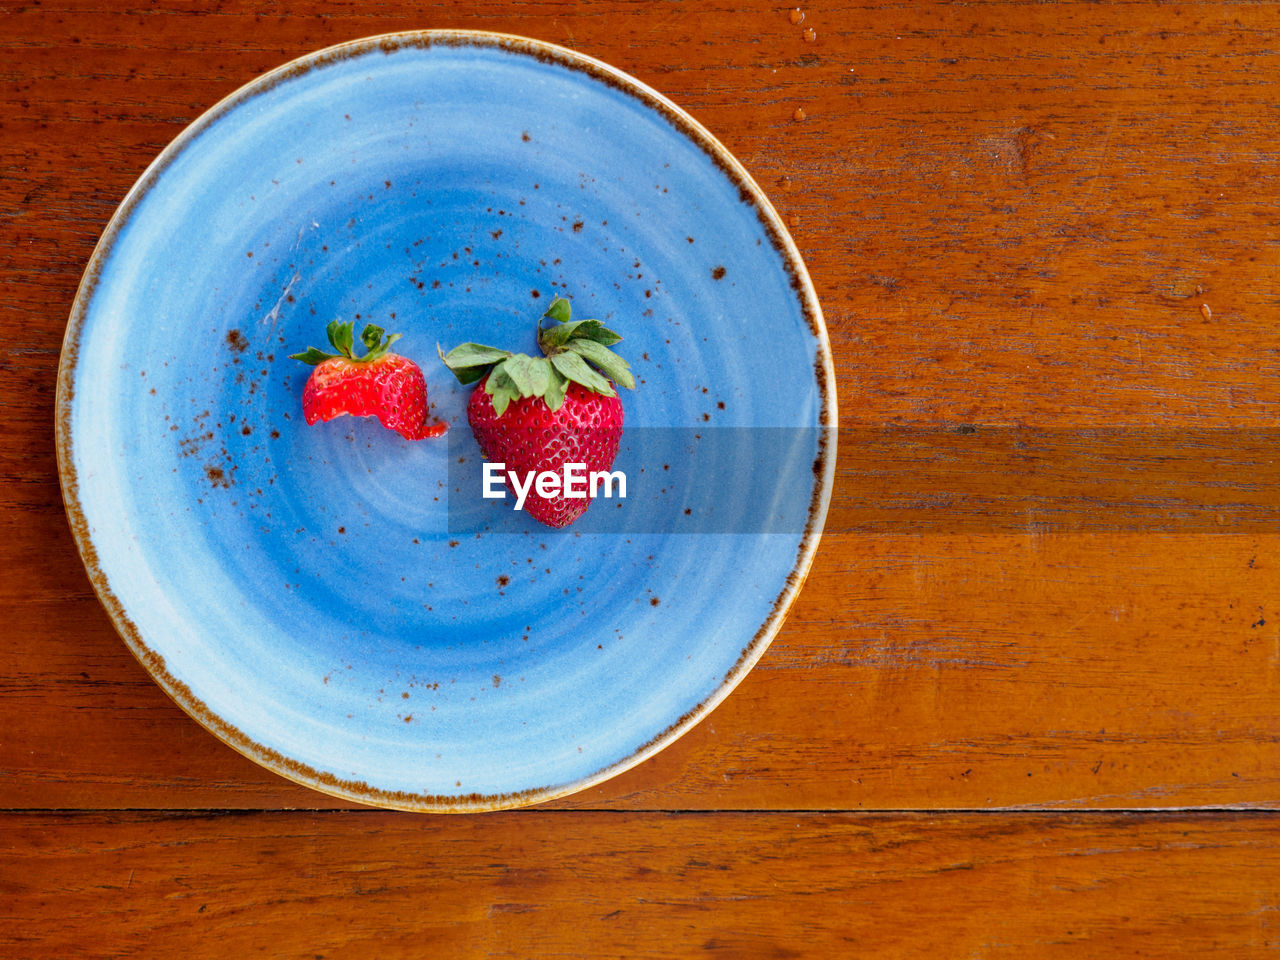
379, 384
536, 414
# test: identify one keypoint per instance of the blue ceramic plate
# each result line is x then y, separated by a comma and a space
331, 600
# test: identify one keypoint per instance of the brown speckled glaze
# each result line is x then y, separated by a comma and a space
824, 465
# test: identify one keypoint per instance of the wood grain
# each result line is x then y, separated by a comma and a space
638, 886
1021, 218
914, 672
1007, 211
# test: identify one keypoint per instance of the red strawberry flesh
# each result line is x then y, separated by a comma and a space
529, 436
390, 388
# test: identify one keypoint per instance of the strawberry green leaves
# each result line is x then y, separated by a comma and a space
552, 338
556, 390
559, 311
471, 361
342, 338
502, 389
312, 356
575, 351
371, 337
609, 363
521, 376
574, 368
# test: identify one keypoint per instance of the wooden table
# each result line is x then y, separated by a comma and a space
1036, 723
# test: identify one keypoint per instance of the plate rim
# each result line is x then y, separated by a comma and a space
153, 662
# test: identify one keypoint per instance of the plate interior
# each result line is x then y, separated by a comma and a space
330, 599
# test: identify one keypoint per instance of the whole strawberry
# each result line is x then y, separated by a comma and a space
379, 384
537, 414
